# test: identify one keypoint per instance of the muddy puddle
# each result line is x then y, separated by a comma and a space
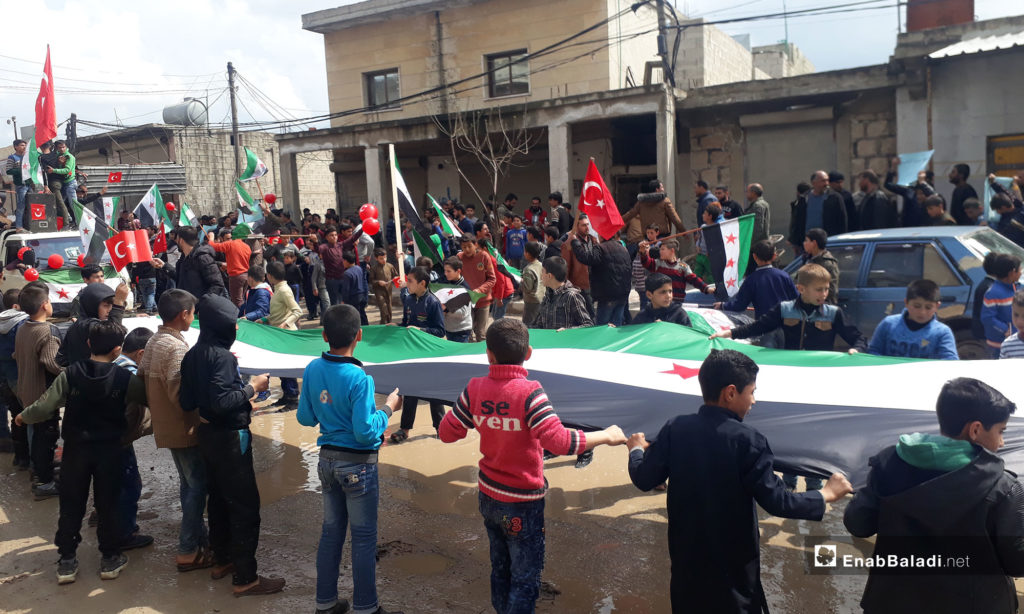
606, 549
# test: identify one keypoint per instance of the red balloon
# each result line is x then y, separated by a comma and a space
367, 211
371, 226
21, 252
55, 261
31, 274
169, 206
81, 260
270, 198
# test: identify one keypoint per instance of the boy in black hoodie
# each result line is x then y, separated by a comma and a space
660, 307
211, 384
950, 495
99, 302
95, 394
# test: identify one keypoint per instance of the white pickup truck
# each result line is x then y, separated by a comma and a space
64, 283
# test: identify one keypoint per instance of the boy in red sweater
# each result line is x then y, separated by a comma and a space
516, 424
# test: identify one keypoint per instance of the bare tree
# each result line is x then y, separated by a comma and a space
495, 139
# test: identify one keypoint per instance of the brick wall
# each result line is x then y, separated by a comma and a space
711, 153
872, 141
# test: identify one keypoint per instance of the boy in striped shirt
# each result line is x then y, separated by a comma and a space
516, 424
1013, 346
996, 317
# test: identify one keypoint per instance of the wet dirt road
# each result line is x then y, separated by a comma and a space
606, 548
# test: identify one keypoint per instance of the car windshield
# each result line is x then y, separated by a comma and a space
986, 240
68, 247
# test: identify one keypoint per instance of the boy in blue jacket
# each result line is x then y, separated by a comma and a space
996, 311
337, 395
257, 298
765, 287
917, 332
421, 309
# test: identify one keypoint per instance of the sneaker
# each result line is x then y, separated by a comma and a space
111, 566
286, 404
584, 459
263, 396
339, 608
136, 541
67, 571
45, 491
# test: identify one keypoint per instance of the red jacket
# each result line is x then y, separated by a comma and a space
503, 287
516, 424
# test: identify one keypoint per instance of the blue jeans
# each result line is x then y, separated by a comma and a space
350, 495
461, 336
789, 480
516, 532
334, 290
147, 291
131, 490
499, 311
610, 312
643, 299
192, 493
70, 190
19, 211
290, 387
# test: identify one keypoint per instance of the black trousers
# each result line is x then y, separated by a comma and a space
437, 411
44, 444
19, 434
233, 506
100, 465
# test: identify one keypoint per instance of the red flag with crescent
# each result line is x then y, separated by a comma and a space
129, 246
597, 202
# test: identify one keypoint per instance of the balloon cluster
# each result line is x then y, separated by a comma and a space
368, 213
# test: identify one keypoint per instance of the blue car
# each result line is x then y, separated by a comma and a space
875, 267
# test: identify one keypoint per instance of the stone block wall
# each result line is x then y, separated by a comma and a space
872, 141
713, 150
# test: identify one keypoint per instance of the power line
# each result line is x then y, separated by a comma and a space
93, 70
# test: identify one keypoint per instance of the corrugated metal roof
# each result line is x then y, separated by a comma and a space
981, 45
137, 178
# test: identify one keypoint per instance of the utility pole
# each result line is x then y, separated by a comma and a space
666, 65
14, 121
234, 116
72, 133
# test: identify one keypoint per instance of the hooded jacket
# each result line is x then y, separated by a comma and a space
10, 322
210, 381
199, 274
943, 492
652, 208
75, 345
257, 302
674, 313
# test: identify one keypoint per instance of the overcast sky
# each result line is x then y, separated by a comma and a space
122, 61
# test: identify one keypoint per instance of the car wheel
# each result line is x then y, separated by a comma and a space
970, 348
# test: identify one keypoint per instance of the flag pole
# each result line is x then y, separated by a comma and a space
259, 188
394, 215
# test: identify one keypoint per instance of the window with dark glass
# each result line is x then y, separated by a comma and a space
508, 74
382, 88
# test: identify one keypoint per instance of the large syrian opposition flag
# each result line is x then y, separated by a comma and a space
447, 225
405, 203
729, 250
150, 208
31, 170
64, 284
254, 167
92, 232
821, 411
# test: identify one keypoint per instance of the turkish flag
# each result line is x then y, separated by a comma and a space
597, 202
38, 211
46, 106
128, 246
114, 178
160, 242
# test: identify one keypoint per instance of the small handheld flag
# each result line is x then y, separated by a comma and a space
114, 178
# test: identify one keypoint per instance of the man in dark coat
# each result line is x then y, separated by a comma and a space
717, 468
876, 210
963, 190
835, 182
196, 272
611, 276
819, 208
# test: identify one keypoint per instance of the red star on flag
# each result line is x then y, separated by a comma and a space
62, 293
729, 283
85, 230
731, 238
681, 371
451, 292
731, 263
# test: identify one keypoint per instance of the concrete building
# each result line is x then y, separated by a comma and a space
209, 164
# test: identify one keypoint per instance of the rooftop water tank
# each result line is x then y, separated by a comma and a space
191, 112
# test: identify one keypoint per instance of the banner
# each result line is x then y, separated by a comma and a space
911, 164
